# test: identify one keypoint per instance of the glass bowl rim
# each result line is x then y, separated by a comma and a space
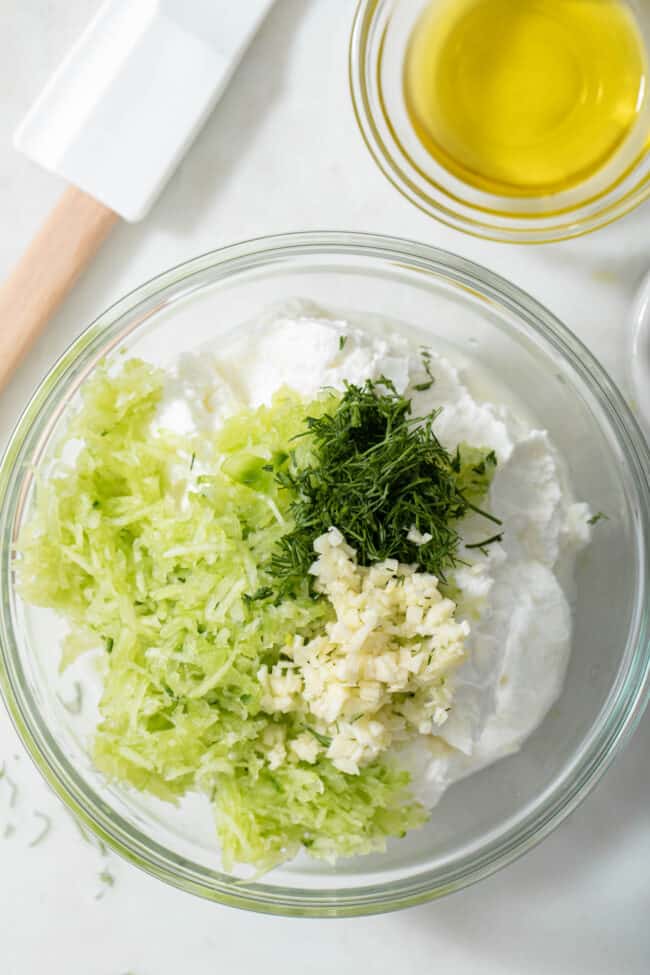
617, 719
526, 229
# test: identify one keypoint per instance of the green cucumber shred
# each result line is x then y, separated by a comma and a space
171, 583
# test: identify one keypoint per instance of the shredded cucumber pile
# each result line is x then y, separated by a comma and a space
165, 569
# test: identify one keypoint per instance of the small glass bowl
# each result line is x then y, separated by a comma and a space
490, 818
380, 35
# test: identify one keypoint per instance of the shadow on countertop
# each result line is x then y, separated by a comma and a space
607, 255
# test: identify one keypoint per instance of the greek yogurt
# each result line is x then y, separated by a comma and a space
513, 594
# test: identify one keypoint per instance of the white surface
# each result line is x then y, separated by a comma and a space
127, 101
281, 152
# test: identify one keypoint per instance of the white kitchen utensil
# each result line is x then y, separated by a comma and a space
114, 121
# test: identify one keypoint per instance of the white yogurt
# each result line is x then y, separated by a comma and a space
514, 596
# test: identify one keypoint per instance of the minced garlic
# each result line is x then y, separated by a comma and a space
378, 674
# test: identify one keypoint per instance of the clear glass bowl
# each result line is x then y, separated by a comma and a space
380, 35
490, 818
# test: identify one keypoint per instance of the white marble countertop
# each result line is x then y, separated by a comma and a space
281, 152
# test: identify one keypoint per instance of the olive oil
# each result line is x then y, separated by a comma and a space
525, 97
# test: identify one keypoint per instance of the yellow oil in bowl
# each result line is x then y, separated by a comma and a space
525, 97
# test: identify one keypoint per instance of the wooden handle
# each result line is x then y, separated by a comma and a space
44, 275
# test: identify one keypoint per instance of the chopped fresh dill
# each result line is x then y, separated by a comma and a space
376, 473
342, 340
192, 462
487, 541
262, 593
323, 740
8, 831
599, 516
109, 644
44, 830
75, 705
425, 356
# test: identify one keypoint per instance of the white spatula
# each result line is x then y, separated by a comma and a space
114, 121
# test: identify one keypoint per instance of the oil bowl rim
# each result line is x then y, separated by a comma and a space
489, 222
